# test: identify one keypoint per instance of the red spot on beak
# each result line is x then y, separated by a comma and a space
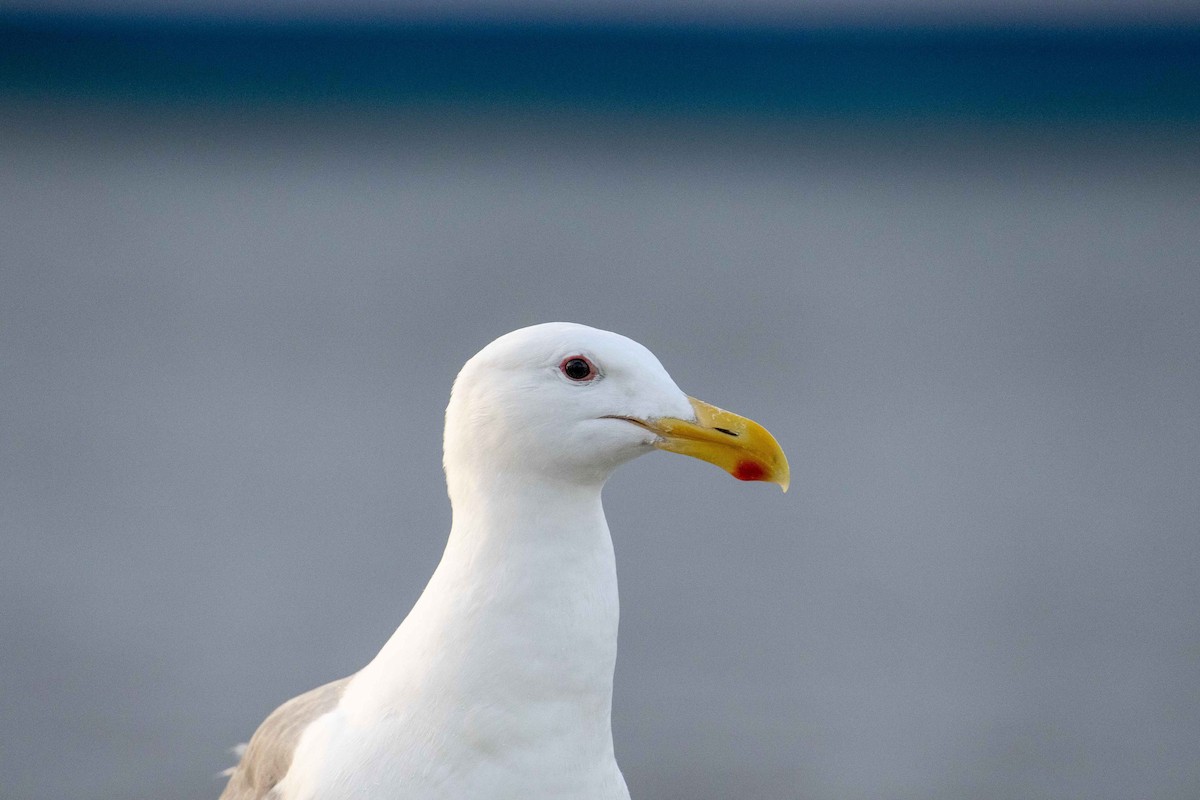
749, 471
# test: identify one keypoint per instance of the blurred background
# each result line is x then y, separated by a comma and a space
949, 256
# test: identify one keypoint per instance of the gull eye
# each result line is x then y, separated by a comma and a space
578, 369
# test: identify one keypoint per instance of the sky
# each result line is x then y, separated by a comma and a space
1072, 12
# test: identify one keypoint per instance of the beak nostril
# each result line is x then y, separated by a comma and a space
725, 431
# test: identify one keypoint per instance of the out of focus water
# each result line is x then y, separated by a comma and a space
227, 338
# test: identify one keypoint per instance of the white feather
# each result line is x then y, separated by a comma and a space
498, 684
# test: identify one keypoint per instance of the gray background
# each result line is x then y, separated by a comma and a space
226, 344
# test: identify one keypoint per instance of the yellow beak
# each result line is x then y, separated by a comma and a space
740, 446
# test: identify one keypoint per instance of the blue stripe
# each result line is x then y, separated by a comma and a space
1150, 74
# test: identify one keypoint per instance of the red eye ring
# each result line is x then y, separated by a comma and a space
578, 369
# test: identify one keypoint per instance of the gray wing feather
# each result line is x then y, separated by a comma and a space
269, 754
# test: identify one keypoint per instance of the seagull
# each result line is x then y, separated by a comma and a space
498, 683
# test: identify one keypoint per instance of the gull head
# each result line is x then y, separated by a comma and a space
564, 402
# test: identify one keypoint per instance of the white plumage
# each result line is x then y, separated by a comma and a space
498, 684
